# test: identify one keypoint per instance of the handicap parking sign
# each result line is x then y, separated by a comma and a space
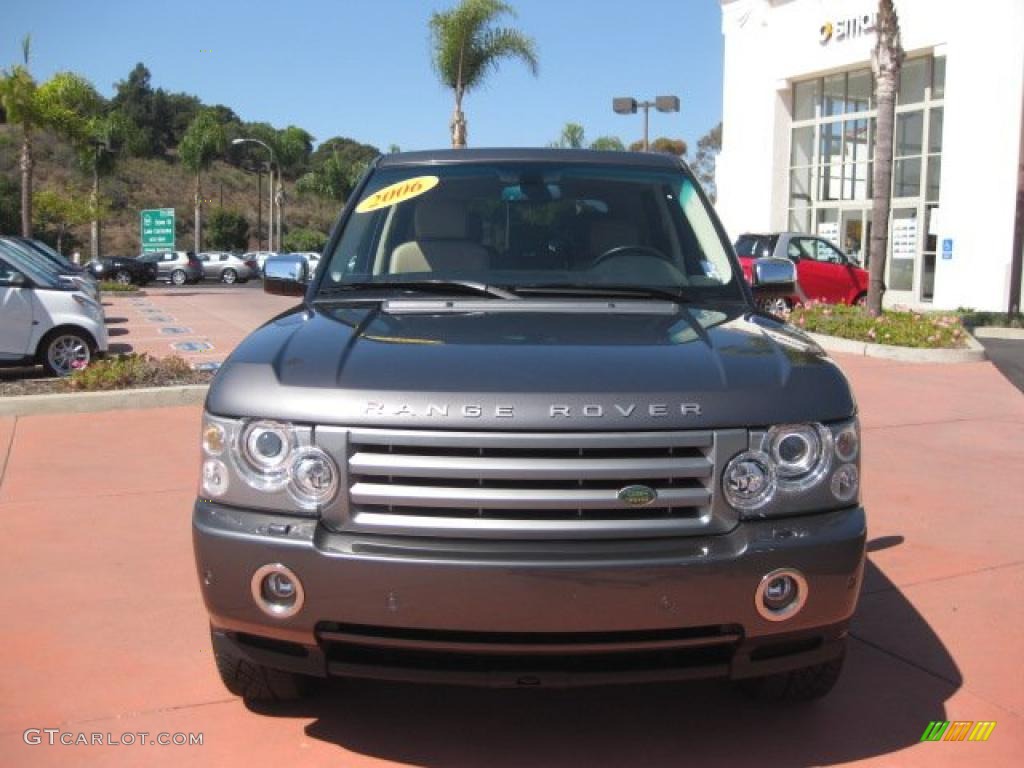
947, 248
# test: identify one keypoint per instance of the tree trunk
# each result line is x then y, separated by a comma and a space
458, 124
199, 223
26, 184
886, 62
94, 200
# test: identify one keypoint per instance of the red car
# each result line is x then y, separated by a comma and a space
824, 273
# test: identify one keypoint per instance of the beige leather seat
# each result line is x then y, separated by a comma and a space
441, 244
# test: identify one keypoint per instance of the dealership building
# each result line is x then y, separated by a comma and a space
798, 138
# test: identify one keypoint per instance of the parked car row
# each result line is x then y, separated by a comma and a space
824, 273
48, 314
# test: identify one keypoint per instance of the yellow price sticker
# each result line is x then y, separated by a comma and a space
397, 193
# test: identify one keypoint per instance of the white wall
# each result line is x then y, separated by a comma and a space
769, 43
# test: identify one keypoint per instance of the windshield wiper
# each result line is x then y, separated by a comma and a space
471, 287
607, 291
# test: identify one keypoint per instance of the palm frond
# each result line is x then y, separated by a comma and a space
466, 45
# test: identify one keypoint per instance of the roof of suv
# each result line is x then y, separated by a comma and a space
530, 155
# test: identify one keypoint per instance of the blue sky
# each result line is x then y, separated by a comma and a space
361, 68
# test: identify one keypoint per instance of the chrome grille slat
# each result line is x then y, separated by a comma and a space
514, 498
391, 464
538, 440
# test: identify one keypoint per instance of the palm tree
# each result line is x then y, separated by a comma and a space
76, 111
571, 138
203, 141
18, 94
886, 61
468, 46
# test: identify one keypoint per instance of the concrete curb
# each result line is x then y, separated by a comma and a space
973, 353
90, 402
993, 332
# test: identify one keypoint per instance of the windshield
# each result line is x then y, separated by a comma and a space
28, 264
535, 226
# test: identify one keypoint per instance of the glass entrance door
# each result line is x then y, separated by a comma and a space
904, 244
852, 235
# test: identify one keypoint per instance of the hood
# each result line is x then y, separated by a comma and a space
530, 365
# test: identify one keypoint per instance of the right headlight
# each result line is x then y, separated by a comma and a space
795, 468
265, 465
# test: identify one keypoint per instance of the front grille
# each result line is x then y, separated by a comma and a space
528, 484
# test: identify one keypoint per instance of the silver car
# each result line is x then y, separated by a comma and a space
178, 267
225, 267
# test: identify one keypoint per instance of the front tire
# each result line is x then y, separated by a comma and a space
178, 277
229, 277
798, 685
255, 682
64, 352
123, 277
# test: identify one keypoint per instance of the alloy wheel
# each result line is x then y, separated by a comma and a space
67, 353
178, 277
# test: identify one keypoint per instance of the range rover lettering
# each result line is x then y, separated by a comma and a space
524, 427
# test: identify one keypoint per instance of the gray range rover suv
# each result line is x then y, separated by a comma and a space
526, 428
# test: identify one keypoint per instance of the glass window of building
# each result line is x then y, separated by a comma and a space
832, 161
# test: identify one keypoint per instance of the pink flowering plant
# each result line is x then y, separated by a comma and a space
896, 327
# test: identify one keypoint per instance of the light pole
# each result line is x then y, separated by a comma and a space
270, 196
627, 105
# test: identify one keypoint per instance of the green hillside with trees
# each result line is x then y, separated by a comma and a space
104, 160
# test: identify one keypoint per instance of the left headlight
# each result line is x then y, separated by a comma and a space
265, 464
94, 310
795, 468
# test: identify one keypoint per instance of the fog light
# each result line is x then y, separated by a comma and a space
215, 478
781, 594
277, 591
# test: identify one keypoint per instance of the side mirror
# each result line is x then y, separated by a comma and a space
13, 280
773, 277
285, 275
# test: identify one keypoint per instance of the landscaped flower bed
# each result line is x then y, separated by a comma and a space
134, 370
899, 328
109, 286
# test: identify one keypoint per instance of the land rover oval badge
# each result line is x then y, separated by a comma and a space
637, 495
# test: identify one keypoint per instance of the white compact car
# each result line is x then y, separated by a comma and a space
46, 320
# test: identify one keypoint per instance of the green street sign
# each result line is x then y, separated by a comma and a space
157, 230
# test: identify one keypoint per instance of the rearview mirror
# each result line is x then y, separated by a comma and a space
285, 275
773, 277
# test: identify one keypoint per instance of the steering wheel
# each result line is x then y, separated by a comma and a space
618, 250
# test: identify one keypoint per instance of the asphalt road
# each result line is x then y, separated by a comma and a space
1008, 356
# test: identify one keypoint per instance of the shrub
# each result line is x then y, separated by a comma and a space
974, 319
894, 327
134, 370
302, 239
109, 286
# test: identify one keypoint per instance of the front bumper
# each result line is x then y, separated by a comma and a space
500, 612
